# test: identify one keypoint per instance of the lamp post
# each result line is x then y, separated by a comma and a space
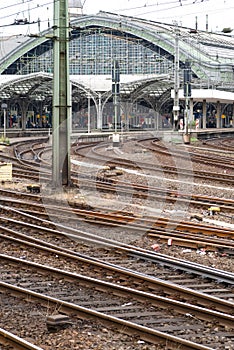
4, 107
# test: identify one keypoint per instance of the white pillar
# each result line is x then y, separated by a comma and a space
99, 112
89, 121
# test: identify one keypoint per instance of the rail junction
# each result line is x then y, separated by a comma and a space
119, 264
116, 221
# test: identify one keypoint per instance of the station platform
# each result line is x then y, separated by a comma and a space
212, 133
98, 136
164, 134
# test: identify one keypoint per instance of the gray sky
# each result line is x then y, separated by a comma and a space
220, 12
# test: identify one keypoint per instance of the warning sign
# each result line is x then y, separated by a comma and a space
5, 171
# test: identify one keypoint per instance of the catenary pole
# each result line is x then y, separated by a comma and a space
176, 107
61, 97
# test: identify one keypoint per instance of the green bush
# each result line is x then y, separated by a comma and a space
4, 140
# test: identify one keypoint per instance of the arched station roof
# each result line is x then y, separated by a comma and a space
211, 55
39, 87
35, 86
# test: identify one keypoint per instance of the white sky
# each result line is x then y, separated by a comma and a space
220, 12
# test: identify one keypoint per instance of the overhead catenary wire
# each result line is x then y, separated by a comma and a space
50, 3
178, 3
164, 9
10, 17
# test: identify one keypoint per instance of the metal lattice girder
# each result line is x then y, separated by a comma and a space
153, 87
37, 86
208, 52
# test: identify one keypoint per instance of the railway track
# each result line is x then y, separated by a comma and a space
155, 273
109, 319
225, 144
94, 153
29, 154
156, 193
183, 233
184, 238
104, 184
98, 260
64, 235
9, 339
194, 153
143, 311
140, 190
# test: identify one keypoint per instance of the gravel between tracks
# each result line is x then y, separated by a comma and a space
86, 335
29, 321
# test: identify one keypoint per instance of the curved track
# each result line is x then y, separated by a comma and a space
156, 284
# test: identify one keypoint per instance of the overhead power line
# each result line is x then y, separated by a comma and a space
165, 4
17, 15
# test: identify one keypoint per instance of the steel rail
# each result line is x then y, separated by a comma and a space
157, 193
222, 144
222, 177
226, 319
221, 160
167, 169
169, 287
18, 343
179, 238
206, 271
20, 168
150, 225
167, 194
123, 326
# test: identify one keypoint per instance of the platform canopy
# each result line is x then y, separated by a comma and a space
38, 87
34, 86
208, 95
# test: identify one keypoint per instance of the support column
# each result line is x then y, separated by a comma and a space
218, 115
89, 118
99, 112
127, 108
23, 104
232, 120
204, 114
191, 117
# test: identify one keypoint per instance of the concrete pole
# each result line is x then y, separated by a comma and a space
61, 97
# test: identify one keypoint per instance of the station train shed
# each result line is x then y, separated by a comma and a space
151, 57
